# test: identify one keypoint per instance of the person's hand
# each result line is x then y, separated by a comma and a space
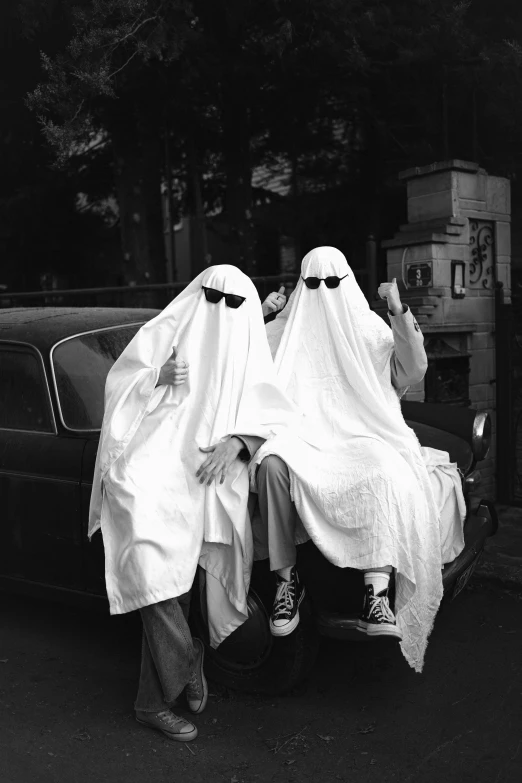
220, 458
390, 292
274, 302
174, 372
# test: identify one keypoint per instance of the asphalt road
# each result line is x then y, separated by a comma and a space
68, 679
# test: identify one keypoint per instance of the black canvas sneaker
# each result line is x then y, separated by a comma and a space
377, 619
285, 614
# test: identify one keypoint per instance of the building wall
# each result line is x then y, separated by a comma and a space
457, 213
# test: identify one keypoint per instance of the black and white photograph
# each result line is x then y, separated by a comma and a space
260, 391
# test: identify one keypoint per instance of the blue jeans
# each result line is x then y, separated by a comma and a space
168, 655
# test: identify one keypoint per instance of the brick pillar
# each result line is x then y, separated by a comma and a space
456, 213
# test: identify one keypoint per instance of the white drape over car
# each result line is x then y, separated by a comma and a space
364, 497
158, 522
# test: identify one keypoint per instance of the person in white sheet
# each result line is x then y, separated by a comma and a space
364, 497
161, 512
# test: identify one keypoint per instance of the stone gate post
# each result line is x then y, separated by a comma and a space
447, 260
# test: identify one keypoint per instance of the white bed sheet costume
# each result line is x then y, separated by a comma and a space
364, 497
158, 522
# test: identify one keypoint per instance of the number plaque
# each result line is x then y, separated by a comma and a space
419, 275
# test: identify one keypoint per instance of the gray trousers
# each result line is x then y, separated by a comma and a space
277, 511
278, 514
168, 656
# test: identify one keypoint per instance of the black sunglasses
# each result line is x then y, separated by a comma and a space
330, 282
214, 296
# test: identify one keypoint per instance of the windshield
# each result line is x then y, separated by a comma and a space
81, 365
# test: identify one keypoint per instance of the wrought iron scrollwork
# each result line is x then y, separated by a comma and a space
481, 266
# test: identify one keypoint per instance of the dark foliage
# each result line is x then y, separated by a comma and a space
330, 98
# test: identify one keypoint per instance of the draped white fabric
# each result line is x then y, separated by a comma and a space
157, 520
364, 497
447, 490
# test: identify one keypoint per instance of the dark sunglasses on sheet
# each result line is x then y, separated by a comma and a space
330, 282
214, 296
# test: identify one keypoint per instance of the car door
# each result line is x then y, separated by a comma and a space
40, 469
94, 560
80, 365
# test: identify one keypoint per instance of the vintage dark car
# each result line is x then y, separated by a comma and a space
53, 365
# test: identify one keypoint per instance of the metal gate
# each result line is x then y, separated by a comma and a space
509, 393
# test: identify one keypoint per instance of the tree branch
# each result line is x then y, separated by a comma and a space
78, 110
132, 32
133, 55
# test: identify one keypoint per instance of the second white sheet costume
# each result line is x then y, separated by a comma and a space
365, 497
158, 522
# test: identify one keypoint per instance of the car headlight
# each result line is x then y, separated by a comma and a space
481, 437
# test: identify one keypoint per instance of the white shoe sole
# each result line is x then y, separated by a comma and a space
285, 630
378, 630
186, 737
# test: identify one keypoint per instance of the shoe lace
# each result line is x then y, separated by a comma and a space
284, 599
169, 718
380, 607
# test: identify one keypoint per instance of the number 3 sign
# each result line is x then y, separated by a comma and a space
419, 275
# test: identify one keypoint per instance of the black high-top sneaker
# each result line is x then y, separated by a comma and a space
377, 619
285, 613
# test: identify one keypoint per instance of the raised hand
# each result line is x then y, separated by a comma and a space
174, 372
274, 302
390, 292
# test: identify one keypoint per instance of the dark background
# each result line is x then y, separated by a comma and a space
264, 122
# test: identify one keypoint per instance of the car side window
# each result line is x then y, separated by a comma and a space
24, 398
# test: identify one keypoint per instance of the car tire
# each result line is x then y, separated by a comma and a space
251, 659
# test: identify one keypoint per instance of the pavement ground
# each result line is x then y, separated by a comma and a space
68, 680
502, 560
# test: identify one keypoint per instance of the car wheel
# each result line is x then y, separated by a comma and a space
253, 660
